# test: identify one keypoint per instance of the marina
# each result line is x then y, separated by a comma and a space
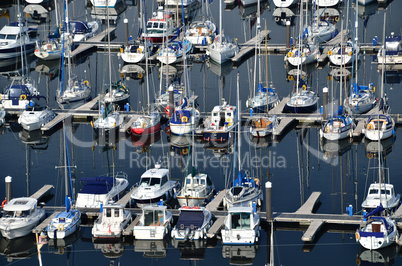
160, 164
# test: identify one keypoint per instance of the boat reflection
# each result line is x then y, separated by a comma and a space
18, 248
220, 149
113, 13
338, 72
59, 246
152, 248
190, 250
180, 145
333, 149
143, 143
283, 14
38, 13
329, 14
50, 68
134, 71
111, 249
240, 255
383, 256
372, 148
34, 138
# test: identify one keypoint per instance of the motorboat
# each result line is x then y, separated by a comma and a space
108, 122
174, 52
201, 32
17, 97
77, 90
154, 224
155, 185
101, 190
105, 3
36, 118
64, 223
343, 53
20, 216
392, 53
362, 99
197, 190
14, 39
304, 54
160, 27
264, 99
222, 50
146, 124
262, 127
378, 127
217, 127
337, 127
241, 226
193, 223
379, 232
116, 93
245, 191
302, 101
135, 52
284, 3
82, 30
184, 120
381, 194
111, 222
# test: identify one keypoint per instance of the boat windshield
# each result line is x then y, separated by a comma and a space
16, 214
149, 181
153, 218
240, 220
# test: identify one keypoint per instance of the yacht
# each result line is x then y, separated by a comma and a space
101, 190
337, 127
111, 222
82, 30
393, 51
193, 223
184, 119
154, 224
76, 91
107, 123
36, 118
64, 223
378, 127
302, 101
116, 93
262, 127
146, 124
17, 97
173, 52
265, 98
20, 216
155, 185
217, 127
381, 194
135, 52
201, 32
222, 50
198, 190
362, 99
303, 55
14, 38
241, 226
160, 27
343, 53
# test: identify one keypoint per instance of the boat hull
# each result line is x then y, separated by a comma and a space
22, 230
146, 131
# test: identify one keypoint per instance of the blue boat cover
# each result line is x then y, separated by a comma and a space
97, 185
190, 218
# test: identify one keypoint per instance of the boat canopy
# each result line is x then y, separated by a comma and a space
242, 179
190, 218
20, 204
379, 116
17, 90
79, 27
393, 44
357, 88
263, 89
97, 185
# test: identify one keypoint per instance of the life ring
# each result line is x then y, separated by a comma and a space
369, 126
4, 203
329, 78
86, 82
304, 87
60, 227
144, 125
195, 207
140, 75
290, 77
139, 50
184, 119
357, 235
115, 147
370, 155
167, 110
326, 129
185, 151
373, 89
23, 97
277, 19
336, 18
92, 124
60, 251
351, 53
229, 120
330, 52
290, 54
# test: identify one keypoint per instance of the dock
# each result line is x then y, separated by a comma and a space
42, 192
126, 198
216, 228
248, 47
93, 42
42, 226
128, 231
213, 205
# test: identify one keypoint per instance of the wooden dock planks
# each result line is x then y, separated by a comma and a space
126, 198
214, 204
308, 206
249, 46
128, 231
43, 224
313, 228
42, 192
91, 42
216, 228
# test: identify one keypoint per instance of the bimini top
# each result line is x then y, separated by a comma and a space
379, 116
79, 27
193, 218
20, 204
17, 90
97, 185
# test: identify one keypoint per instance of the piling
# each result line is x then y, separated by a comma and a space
268, 199
325, 102
171, 101
8, 181
287, 34
126, 32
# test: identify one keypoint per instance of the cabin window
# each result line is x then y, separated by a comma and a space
164, 180
11, 37
155, 181
108, 213
9, 214
149, 25
240, 220
188, 181
228, 114
145, 181
2, 36
215, 114
116, 212
161, 25
373, 191
383, 192
202, 182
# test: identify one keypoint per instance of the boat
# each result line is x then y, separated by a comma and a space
366, 2
15, 39
154, 224
20, 216
76, 90
241, 226
327, 3
107, 122
262, 127
52, 48
64, 223
305, 53
155, 185
378, 127
180, 2
81, 30
201, 32
337, 127
184, 119
392, 53
362, 99
173, 53
302, 101
379, 232
197, 190
36, 118
162, 101
320, 32
17, 97
116, 93
343, 53
111, 222
146, 124
105, 3
217, 127
160, 27
265, 98
193, 223
245, 191
135, 52
101, 190
284, 3
381, 193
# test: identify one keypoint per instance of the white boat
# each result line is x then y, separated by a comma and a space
378, 127
82, 30
201, 32
198, 190
362, 99
155, 185
105, 3
108, 122
101, 190
321, 31
337, 128
393, 50
184, 119
14, 38
381, 194
52, 48
379, 232
264, 99
366, 2
36, 118
116, 93
155, 223
74, 92
245, 191
160, 27
343, 53
303, 54
17, 97
20, 216
135, 52
162, 101
193, 223
284, 3
64, 224
302, 101
241, 226
217, 127
173, 53
111, 222
262, 127
248, 2
180, 2
327, 3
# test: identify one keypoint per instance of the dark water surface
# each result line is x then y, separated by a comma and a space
297, 164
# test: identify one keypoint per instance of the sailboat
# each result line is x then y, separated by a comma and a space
173, 52
302, 100
67, 222
201, 32
221, 50
185, 119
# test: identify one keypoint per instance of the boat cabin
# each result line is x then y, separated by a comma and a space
199, 180
154, 215
154, 178
223, 115
112, 213
393, 44
241, 218
20, 207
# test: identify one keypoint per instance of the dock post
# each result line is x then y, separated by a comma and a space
287, 34
268, 199
325, 102
125, 32
8, 181
171, 101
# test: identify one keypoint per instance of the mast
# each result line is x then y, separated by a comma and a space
220, 23
108, 47
238, 118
